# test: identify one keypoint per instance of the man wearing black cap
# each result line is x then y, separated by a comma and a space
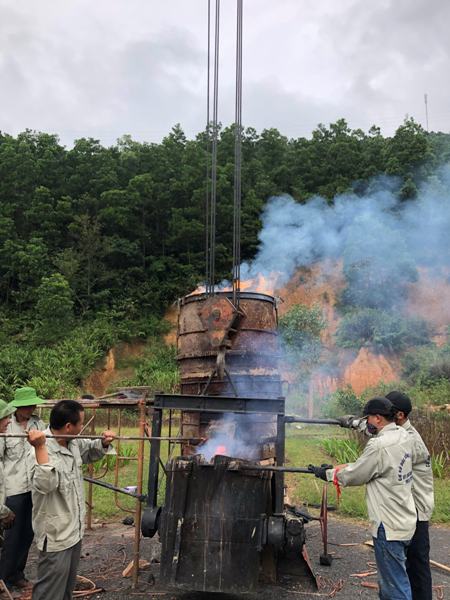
418, 552
385, 467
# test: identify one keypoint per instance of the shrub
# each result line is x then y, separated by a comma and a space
343, 402
438, 464
300, 330
158, 369
344, 451
383, 330
424, 366
58, 370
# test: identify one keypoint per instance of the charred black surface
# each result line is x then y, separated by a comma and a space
213, 525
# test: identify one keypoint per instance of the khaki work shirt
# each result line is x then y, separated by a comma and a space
385, 467
4, 510
422, 485
58, 492
14, 452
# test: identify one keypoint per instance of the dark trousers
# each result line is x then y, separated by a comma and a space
17, 541
418, 563
57, 574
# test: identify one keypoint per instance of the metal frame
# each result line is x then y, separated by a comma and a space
216, 404
117, 401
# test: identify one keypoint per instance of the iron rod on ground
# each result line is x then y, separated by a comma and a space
114, 488
121, 438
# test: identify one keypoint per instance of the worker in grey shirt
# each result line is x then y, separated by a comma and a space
58, 498
6, 514
418, 552
13, 454
385, 466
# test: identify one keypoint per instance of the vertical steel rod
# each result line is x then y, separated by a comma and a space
137, 518
90, 499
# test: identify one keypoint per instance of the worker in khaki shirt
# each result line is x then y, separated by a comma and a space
13, 454
418, 552
6, 514
385, 467
58, 498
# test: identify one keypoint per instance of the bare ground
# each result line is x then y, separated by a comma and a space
109, 548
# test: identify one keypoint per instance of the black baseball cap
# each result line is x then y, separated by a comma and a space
379, 406
400, 401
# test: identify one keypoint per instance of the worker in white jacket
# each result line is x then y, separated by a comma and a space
58, 498
6, 514
13, 454
418, 552
385, 467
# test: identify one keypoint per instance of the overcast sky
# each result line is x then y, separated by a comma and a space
105, 68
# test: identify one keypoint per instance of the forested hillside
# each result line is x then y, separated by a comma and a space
95, 241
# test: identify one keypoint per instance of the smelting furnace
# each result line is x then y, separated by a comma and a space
223, 525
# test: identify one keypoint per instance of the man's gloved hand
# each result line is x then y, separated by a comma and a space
347, 421
321, 471
8, 521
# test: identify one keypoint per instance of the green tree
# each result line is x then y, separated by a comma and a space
54, 309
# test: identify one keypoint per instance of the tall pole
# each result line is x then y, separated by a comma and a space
426, 109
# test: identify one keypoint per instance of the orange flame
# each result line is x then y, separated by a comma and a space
260, 284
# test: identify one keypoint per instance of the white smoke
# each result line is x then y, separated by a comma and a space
376, 229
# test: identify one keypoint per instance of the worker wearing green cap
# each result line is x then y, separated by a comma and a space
6, 514
13, 455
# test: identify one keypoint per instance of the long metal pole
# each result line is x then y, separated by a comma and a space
114, 488
137, 518
295, 419
90, 500
128, 438
274, 468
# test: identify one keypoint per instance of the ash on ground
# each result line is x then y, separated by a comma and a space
108, 549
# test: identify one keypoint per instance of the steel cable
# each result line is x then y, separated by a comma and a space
208, 152
213, 204
236, 275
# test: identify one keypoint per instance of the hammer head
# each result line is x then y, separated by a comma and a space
326, 560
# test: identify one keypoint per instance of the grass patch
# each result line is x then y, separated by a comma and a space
109, 506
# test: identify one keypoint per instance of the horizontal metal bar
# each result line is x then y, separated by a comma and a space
113, 488
219, 404
120, 438
295, 419
276, 469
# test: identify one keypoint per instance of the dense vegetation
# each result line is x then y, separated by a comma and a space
94, 240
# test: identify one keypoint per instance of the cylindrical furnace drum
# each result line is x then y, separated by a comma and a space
251, 360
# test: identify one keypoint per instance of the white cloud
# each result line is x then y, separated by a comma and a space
107, 68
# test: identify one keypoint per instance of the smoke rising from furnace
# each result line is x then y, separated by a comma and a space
381, 239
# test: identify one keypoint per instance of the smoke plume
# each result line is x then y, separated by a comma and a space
381, 239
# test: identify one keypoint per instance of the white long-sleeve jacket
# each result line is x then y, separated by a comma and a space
385, 467
422, 486
58, 492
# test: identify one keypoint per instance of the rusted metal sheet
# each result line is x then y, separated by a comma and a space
207, 323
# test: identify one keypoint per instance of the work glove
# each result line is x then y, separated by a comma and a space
347, 421
321, 471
